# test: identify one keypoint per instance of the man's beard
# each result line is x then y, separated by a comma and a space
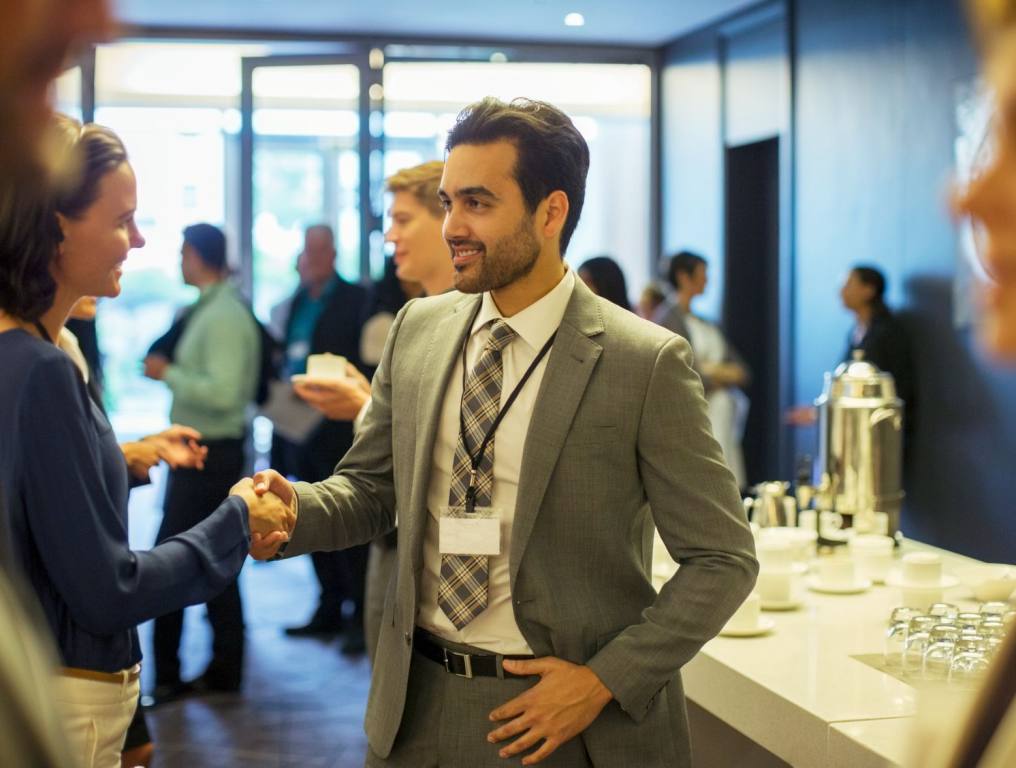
511, 258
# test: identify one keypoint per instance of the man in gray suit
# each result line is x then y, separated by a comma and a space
530, 435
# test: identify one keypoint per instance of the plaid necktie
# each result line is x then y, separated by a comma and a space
462, 592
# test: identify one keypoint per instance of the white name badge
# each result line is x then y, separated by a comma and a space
478, 533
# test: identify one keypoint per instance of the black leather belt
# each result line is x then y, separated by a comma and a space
463, 664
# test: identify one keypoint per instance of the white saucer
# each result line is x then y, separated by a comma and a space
895, 579
764, 627
303, 378
781, 605
861, 585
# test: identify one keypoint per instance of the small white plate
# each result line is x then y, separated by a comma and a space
303, 378
861, 585
764, 627
781, 605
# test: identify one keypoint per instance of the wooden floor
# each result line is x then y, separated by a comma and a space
303, 701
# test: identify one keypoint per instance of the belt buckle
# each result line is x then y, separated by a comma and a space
466, 659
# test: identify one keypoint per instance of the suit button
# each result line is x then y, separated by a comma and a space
409, 638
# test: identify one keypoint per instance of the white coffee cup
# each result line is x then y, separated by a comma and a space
874, 555
746, 617
922, 569
774, 551
775, 585
837, 571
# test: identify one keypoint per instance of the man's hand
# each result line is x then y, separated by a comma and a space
801, 416
268, 513
155, 366
140, 457
265, 547
178, 446
559, 707
340, 399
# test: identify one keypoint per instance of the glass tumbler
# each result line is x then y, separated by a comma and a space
918, 640
896, 635
970, 661
939, 653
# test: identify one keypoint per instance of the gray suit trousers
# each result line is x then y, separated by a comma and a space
445, 723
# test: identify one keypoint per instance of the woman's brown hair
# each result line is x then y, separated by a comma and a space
29, 229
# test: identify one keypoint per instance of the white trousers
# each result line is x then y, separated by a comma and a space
96, 716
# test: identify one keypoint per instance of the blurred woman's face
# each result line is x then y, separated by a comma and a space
991, 201
90, 259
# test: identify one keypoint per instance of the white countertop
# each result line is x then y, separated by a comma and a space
797, 691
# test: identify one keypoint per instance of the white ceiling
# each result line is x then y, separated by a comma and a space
622, 22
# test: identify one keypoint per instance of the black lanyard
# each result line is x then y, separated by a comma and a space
475, 461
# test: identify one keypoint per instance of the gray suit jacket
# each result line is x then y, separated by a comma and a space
619, 429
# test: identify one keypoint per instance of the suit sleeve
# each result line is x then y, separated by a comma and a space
697, 510
357, 503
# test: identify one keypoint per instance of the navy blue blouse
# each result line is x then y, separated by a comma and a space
63, 481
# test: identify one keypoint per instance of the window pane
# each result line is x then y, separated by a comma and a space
306, 171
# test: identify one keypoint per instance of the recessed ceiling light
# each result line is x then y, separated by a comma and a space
574, 20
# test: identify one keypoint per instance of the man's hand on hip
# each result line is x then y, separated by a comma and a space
559, 707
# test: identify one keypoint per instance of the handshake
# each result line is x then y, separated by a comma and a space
271, 507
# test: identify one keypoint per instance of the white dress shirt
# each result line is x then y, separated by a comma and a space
495, 629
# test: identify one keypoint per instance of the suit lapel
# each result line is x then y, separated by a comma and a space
569, 367
438, 363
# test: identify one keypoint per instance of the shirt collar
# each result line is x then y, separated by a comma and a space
536, 323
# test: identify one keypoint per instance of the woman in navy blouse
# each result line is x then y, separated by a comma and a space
63, 478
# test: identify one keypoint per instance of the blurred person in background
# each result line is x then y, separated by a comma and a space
209, 360
877, 332
63, 478
723, 372
604, 277
326, 314
880, 336
37, 37
650, 301
420, 258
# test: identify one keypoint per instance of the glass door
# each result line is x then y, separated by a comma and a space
305, 155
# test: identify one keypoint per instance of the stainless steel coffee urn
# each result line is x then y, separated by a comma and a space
861, 447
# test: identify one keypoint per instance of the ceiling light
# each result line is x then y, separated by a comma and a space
574, 20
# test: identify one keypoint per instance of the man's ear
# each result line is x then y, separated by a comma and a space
553, 213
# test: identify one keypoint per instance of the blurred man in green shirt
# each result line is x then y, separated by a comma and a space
213, 377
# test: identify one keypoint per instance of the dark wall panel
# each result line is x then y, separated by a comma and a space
874, 126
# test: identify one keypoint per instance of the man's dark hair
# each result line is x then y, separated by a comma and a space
29, 229
874, 279
684, 263
209, 243
552, 154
